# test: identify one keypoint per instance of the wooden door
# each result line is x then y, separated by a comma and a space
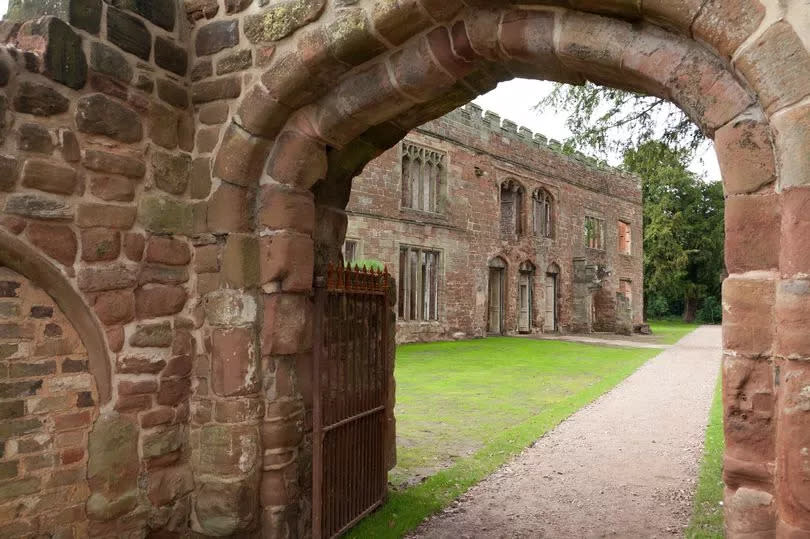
495, 322
551, 303
525, 304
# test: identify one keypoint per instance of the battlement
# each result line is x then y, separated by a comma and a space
476, 117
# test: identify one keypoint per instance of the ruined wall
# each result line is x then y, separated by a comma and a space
48, 402
483, 152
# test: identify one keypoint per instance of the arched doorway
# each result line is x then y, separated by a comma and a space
496, 304
526, 297
347, 96
551, 300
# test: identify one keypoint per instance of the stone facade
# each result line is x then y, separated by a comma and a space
174, 174
480, 153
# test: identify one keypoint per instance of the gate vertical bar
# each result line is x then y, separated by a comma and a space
317, 419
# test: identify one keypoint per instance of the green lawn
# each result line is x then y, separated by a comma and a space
670, 331
707, 515
465, 408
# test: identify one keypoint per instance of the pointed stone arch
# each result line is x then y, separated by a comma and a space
25, 260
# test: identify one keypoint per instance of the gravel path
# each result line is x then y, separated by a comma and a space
624, 466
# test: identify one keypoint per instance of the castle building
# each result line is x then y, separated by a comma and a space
492, 230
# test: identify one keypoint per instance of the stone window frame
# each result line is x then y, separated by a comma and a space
599, 218
403, 283
550, 221
358, 249
441, 188
629, 224
519, 219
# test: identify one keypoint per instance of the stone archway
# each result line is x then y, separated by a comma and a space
266, 111
332, 130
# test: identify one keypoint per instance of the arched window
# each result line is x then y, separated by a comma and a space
422, 178
511, 209
543, 213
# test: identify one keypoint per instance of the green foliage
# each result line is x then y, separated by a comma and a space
657, 307
683, 216
711, 312
683, 226
464, 408
368, 264
707, 514
607, 121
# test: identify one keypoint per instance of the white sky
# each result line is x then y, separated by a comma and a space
515, 100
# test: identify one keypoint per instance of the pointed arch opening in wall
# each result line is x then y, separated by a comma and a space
526, 297
731, 75
511, 198
23, 259
550, 298
496, 296
542, 213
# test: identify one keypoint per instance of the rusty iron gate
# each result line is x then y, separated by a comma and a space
350, 384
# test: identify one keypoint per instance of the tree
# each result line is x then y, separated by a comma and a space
683, 227
607, 121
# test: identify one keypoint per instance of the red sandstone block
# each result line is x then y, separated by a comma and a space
747, 315
752, 233
133, 246
750, 512
100, 244
777, 65
749, 405
793, 462
260, 114
206, 259
133, 403
795, 255
287, 324
676, 15
398, 21
288, 258
240, 261
72, 455
793, 145
183, 344
72, 420
57, 241
173, 391
113, 188
115, 338
416, 73
726, 24
168, 251
230, 209
279, 487
297, 160
101, 215
115, 307
652, 60
234, 362
139, 387
152, 301
241, 157
791, 314
746, 155
158, 416
285, 208
282, 433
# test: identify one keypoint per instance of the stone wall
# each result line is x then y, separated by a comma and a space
48, 402
484, 151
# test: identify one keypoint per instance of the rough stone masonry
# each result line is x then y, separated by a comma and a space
172, 175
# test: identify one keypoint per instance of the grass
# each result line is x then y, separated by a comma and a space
707, 515
671, 331
465, 408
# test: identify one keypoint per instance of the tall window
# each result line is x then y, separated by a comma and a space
594, 232
625, 238
350, 251
543, 213
422, 177
418, 284
511, 209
